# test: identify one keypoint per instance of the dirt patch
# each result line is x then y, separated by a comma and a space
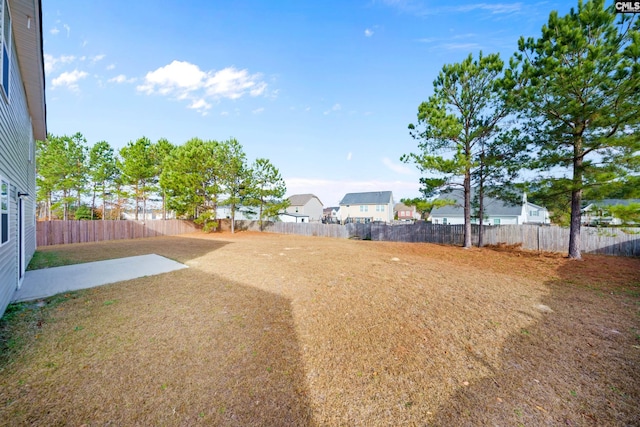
268, 329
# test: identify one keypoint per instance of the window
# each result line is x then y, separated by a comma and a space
496, 221
4, 212
444, 221
534, 213
379, 208
296, 209
364, 208
6, 46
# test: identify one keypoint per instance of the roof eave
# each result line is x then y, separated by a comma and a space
26, 16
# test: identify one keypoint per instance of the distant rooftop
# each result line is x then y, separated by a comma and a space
301, 199
370, 198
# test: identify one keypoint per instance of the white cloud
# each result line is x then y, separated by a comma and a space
258, 110
201, 106
231, 83
121, 78
97, 58
460, 46
419, 8
368, 32
54, 31
175, 77
111, 66
349, 156
200, 103
68, 28
398, 167
185, 81
336, 107
69, 79
50, 62
500, 8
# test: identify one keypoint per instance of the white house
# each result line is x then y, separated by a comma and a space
240, 214
496, 212
330, 215
366, 207
293, 217
22, 121
598, 213
307, 204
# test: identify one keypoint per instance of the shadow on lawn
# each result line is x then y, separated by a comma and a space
197, 348
575, 365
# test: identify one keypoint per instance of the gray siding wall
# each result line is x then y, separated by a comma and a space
16, 141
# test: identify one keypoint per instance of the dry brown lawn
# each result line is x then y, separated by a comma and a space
267, 329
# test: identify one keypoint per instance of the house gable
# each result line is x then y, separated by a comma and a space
370, 206
308, 204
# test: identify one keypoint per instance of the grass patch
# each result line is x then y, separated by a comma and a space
47, 259
329, 334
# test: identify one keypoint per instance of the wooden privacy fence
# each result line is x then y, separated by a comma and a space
63, 232
608, 241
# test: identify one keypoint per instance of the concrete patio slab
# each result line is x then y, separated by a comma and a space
51, 281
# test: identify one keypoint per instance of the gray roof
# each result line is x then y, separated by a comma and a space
402, 207
295, 215
492, 206
301, 199
370, 198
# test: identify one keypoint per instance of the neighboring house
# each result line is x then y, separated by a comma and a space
22, 121
597, 212
240, 214
405, 213
496, 212
306, 204
366, 207
330, 215
293, 217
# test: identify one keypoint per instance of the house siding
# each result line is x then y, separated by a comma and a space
458, 220
16, 139
353, 211
313, 208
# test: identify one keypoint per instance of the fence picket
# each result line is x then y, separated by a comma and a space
608, 241
64, 232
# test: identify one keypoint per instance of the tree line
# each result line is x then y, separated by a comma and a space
76, 181
564, 109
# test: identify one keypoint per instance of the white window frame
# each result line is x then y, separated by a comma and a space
32, 142
5, 209
5, 31
496, 221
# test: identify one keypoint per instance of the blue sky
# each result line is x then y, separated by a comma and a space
324, 89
